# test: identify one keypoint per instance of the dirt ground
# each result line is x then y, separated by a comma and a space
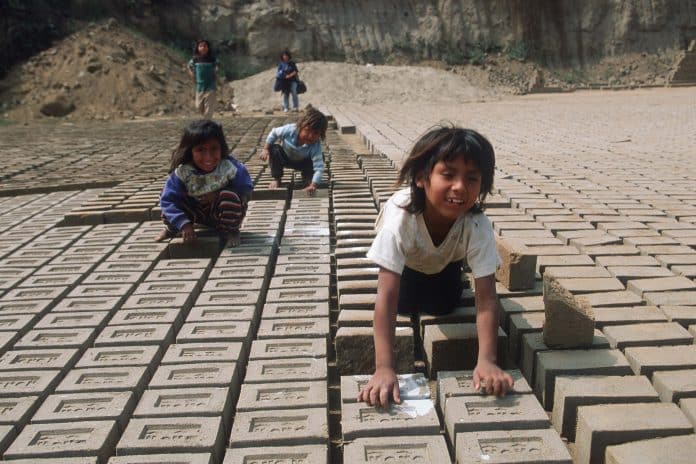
105, 72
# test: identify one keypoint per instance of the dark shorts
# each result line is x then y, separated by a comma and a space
430, 293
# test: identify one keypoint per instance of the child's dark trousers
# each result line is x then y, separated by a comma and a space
225, 214
430, 293
278, 160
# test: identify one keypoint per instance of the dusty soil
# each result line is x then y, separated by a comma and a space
106, 72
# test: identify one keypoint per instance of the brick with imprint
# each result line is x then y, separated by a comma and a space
184, 353
307, 426
100, 379
281, 348
286, 370
228, 297
541, 446
108, 304
117, 356
425, 449
19, 360
285, 295
123, 335
411, 387
296, 454
185, 402
647, 334
57, 338
410, 417
461, 383
215, 331
286, 395
676, 450
17, 411
196, 375
93, 406
307, 327
59, 320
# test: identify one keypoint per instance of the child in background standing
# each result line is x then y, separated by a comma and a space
206, 185
287, 72
203, 68
299, 148
425, 233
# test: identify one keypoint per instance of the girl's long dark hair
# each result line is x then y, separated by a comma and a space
208, 58
196, 133
447, 143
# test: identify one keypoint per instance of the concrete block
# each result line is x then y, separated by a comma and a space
684, 315
411, 387
307, 426
520, 325
411, 417
674, 385
302, 269
221, 313
675, 450
166, 287
575, 391
300, 454
657, 333
287, 259
286, 370
627, 315
78, 407
228, 297
305, 327
185, 402
108, 304
35, 293
65, 440
611, 299
569, 319
222, 285
450, 347
355, 350
147, 316
461, 383
146, 356
304, 295
295, 310
28, 383
645, 360
249, 272
124, 335
203, 352
626, 273
111, 277
174, 300
56, 338
542, 446
67, 280
357, 301
223, 331
185, 264
100, 379
518, 267
173, 435
24, 307
196, 375
426, 449
60, 320
285, 395
480, 413
17, 411
22, 360
612, 424
281, 348
670, 298
519, 304
101, 290
551, 364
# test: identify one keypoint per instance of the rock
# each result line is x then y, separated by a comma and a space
57, 107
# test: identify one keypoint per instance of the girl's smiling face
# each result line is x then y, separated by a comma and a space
307, 136
451, 190
206, 156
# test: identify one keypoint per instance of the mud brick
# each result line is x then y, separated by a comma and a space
145, 356
288, 348
17, 411
520, 325
411, 417
59, 320
550, 364
54, 280
173, 435
284, 370
307, 327
63, 440
645, 360
242, 261
353, 342
185, 264
451, 384
612, 299
295, 310
34, 293
249, 272
124, 266
186, 402
56, 338
22, 360
136, 256
411, 387
120, 291
32, 263
285, 295
670, 298
563, 260
627, 315
362, 318
588, 285
484, 413
224, 331
77, 407
228, 297
356, 273
631, 261
175, 300
98, 379
455, 347
676, 450
569, 319
685, 270
665, 284
288, 395
277, 427
247, 250
512, 446
203, 352
575, 391
517, 305
603, 425
147, 316
357, 301
594, 240
301, 454
24, 307
657, 333
688, 407
124, 335
303, 259
198, 375
19, 324
627, 273
28, 383
302, 269
168, 287
221, 313
577, 272
674, 385
517, 270
299, 281
685, 315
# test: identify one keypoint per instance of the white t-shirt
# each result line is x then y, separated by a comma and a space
403, 240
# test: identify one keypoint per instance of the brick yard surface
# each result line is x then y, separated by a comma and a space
116, 349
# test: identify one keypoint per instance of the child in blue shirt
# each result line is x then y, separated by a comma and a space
202, 68
298, 147
206, 185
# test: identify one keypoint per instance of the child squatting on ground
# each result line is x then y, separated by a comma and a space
298, 147
425, 233
202, 68
206, 185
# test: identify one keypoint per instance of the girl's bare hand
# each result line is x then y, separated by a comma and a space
381, 386
187, 233
497, 382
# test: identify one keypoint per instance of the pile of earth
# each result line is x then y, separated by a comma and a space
105, 72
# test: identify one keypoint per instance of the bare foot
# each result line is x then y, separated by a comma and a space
164, 235
234, 239
273, 184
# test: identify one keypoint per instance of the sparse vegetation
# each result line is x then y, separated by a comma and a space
518, 50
